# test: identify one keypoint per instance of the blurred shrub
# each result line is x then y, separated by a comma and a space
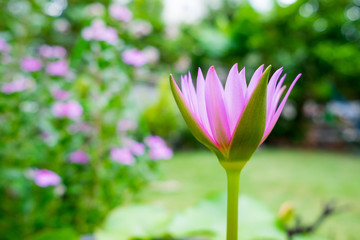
71, 148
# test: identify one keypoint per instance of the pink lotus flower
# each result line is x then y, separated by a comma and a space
58, 68
134, 57
71, 109
79, 157
120, 12
46, 178
122, 155
30, 64
232, 121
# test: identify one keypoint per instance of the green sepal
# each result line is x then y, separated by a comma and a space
250, 128
191, 121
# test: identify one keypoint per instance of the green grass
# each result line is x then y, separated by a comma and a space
307, 179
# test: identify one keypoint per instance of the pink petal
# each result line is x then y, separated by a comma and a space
192, 113
234, 98
273, 105
280, 83
185, 89
200, 90
276, 116
192, 96
254, 81
216, 109
271, 87
243, 83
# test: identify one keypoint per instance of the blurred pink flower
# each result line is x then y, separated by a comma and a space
46, 136
46, 178
60, 94
110, 35
122, 155
78, 157
120, 12
58, 68
124, 125
17, 85
158, 148
135, 147
47, 51
99, 32
134, 57
160, 152
30, 64
71, 109
58, 52
4, 46
153, 141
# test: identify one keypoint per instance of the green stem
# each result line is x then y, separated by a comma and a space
233, 180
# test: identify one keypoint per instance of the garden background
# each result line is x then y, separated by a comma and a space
87, 118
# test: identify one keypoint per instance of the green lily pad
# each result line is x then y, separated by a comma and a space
134, 221
208, 218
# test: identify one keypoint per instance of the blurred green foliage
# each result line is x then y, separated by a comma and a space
318, 38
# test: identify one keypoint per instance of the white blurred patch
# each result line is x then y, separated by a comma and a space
18, 7
62, 25
309, 8
353, 13
320, 25
285, 3
55, 8
183, 11
289, 112
262, 6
